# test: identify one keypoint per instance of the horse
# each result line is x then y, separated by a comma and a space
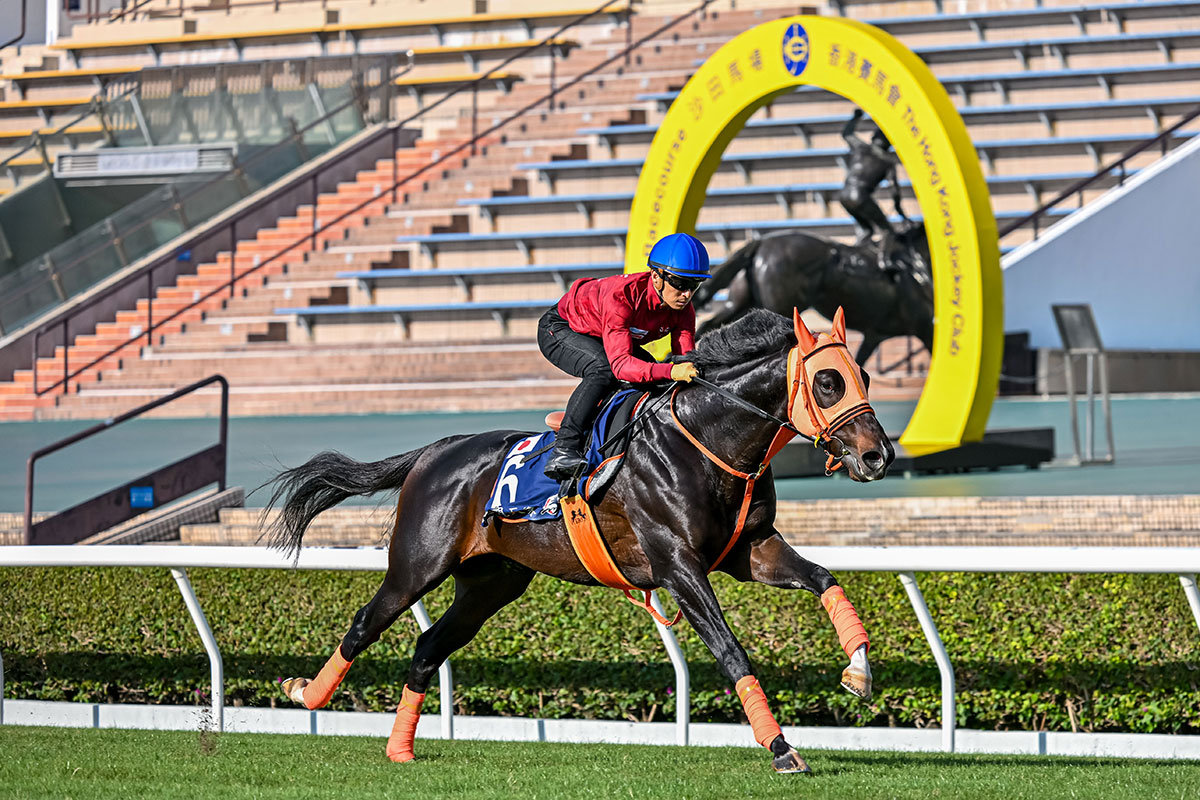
668, 518
788, 269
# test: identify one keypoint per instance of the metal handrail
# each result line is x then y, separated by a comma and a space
904, 561
137, 6
91, 104
311, 237
1080, 185
295, 136
112, 422
228, 6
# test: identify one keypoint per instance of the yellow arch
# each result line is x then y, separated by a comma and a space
880, 75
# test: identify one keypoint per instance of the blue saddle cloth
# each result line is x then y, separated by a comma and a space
523, 491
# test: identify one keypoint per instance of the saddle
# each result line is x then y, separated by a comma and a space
524, 494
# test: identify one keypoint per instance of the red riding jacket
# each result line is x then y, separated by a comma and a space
622, 309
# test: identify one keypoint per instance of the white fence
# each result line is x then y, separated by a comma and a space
904, 561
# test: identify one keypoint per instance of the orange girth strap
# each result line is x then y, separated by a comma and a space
782, 437
593, 553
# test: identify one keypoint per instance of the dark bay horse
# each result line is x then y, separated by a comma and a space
787, 270
668, 517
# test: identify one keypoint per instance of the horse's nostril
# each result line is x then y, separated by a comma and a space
873, 459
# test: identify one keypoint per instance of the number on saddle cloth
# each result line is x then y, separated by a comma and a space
523, 492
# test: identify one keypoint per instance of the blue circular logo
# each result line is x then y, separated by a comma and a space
795, 49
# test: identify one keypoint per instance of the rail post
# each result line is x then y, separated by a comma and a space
445, 676
66, 352
215, 665
232, 257
683, 686
150, 307
395, 162
1193, 595
929, 628
475, 117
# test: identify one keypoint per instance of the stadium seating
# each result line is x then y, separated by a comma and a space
473, 252
290, 40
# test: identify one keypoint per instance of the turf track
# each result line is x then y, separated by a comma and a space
91, 764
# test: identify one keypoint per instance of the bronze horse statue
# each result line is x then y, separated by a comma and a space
789, 270
670, 516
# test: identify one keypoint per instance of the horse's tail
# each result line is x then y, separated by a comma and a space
724, 274
321, 483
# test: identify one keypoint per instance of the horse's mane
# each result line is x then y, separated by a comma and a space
758, 333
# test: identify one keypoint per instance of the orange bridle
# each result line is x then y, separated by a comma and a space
805, 360
811, 355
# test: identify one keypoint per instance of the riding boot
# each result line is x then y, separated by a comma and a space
565, 463
577, 421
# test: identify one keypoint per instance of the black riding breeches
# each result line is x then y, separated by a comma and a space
582, 356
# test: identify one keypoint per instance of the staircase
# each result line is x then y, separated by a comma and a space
272, 366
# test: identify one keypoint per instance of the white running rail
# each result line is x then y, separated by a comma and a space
904, 561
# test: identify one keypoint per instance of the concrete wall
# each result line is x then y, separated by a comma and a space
35, 21
1134, 255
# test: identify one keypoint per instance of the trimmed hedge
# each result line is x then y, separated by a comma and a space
1054, 652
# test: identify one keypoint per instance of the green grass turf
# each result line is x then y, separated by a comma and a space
91, 764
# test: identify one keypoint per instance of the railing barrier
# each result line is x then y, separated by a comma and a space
905, 561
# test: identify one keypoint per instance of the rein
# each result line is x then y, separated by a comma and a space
824, 441
831, 350
733, 398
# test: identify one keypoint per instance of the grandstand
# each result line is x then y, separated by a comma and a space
425, 296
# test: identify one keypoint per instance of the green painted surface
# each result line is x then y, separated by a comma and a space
1158, 451
54, 763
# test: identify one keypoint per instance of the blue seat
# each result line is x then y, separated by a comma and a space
417, 275
722, 232
1059, 44
1072, 76
1047, 112
466, 278
402, 315
744, 163
980, 21
781, 193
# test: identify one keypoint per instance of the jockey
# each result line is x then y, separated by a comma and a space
595, 331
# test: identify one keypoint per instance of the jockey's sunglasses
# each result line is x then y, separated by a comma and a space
680, 284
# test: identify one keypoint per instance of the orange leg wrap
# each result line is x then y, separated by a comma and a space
850, 630
404, 729
755, 703
317, 693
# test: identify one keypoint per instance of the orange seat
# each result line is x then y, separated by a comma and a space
554, 420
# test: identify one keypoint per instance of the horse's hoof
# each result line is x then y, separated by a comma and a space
856, 682
294, 689
790, 763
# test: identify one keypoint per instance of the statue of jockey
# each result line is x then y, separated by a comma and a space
869, 163
596, 329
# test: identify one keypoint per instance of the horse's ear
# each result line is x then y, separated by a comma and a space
803, 334
839, 326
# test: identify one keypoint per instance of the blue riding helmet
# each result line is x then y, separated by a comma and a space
680, 254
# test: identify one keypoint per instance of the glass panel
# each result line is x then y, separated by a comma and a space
254, 109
